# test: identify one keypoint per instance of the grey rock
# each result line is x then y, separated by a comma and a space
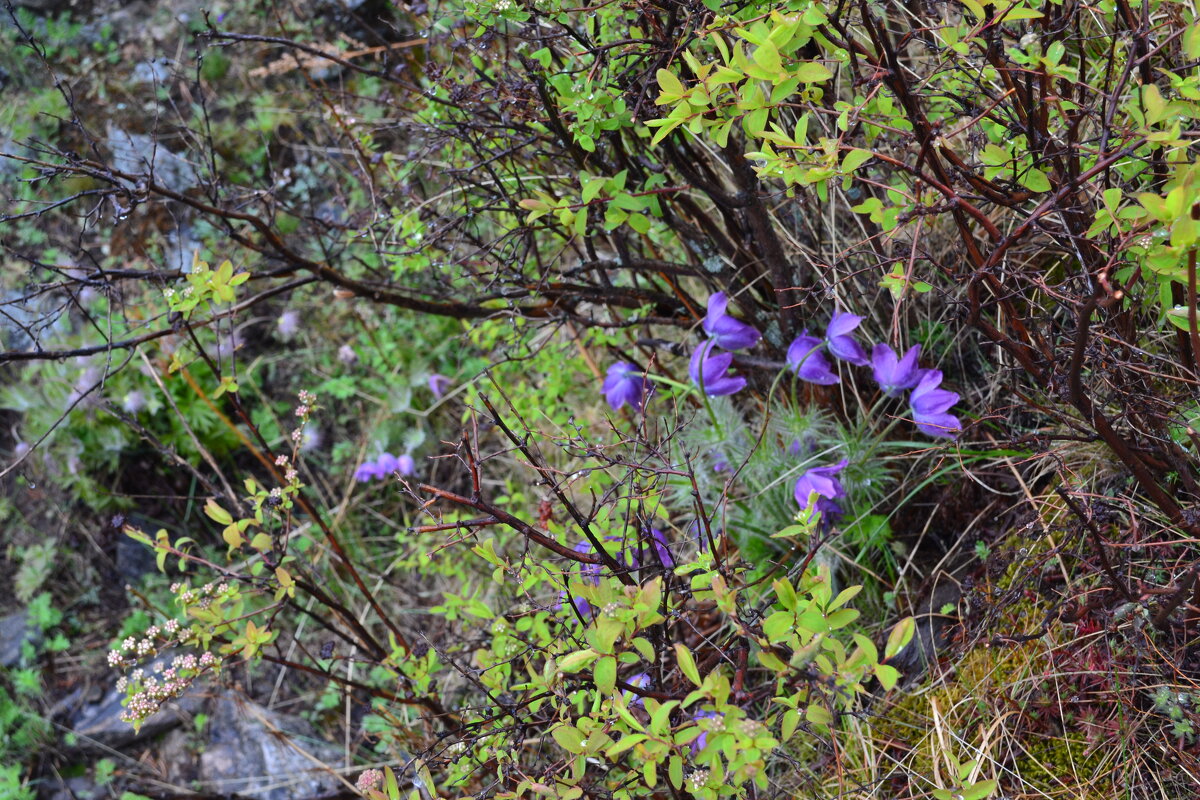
46, 6
181, 246
136, 153
134, 559
248, 751
98, 724
155, 71
78, 788
15, 630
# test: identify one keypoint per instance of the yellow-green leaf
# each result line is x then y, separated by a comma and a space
233, 537
671, 87
687, 664
900, 636
812, 72
216, 513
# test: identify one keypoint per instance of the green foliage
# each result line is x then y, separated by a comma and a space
37, 562
560, 187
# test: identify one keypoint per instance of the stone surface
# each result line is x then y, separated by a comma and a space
136, 154
15, 630
248, 751
99, 723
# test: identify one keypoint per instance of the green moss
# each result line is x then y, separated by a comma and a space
1057, 763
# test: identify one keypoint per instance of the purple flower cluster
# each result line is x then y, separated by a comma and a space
895, 374
629, 557
387, 464
806, 357
710, 371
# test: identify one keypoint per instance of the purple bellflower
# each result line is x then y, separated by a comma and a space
931, 404
893, 374
589, 573
642, 680
806, 359
387, 464
625, 385
438, 384
700, 741
723, 329
823, 482
659, 540
708, 372
629, 557
839, 340
367, 471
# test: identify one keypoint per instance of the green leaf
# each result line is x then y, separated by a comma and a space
683, 656
766, 56
1191, 41
855, 159
592, 187
671, 87
791, 719
233, 537
644, 648
650, 774
605, 675
216, 513
900, 636
390, 785
1036, 181
979, 790
577, 661
1020, 13
842, 618
675, 771
772, 661
669, 124
812, 72
888, 676
975, 8
818, 715
624, 743
569, 738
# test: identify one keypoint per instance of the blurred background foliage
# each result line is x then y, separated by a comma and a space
449, 220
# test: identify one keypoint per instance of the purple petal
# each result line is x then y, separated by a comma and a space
726, 331
841, 343
927, 398
624, 385
892, 374
659, 540
717, 305
842, 324
731, 334
943, 425
365, 472
405, 465
438, 385
804, 356
387, 464
930, 404
823, 482
708, 372
701, 741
